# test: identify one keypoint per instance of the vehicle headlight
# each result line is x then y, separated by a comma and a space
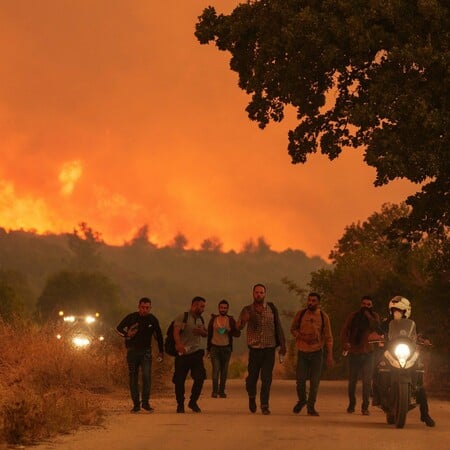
402, 352
90, 319
69, 319
80, 341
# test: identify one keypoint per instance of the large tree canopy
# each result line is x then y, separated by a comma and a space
373, 74
366, 262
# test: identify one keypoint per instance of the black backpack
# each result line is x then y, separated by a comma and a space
169, 343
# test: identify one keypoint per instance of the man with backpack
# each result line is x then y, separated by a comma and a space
189, 333
312, 331
264, 334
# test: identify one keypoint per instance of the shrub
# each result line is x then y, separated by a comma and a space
46, 386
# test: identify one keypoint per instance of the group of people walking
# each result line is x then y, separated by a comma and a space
194, 338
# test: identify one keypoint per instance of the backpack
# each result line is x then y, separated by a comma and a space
169, 343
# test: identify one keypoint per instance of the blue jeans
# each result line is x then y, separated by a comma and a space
309, 366
139, 358
220, 359
260, 361
360, 363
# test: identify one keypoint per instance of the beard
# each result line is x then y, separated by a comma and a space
312, 307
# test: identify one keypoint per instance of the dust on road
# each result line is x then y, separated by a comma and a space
226, 424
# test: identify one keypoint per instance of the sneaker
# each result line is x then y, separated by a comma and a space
252, 404
214, 395
313, 412
429, 422
193, 405
147, 407
223, 395
135, 409
365, 412
350, 409
265, 410
180, 409
298, 407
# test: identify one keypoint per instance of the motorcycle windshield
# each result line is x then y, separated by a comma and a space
404, 328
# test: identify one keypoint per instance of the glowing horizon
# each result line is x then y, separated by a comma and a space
112, 114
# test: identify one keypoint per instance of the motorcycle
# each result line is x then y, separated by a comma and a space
398, 373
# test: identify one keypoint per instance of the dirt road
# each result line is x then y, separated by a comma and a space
226, 424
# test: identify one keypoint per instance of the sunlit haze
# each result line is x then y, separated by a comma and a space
111, 113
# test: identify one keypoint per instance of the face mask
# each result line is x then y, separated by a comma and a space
397, 315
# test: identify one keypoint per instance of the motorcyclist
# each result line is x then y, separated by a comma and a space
400, 310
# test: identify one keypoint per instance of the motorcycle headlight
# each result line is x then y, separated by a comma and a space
80, 341
402, 352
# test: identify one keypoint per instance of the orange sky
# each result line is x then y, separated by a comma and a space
111, 113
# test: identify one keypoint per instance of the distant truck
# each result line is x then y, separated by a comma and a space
81, 331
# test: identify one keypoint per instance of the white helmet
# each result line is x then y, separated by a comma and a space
402, 304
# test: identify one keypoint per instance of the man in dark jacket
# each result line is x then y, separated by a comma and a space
355, 341
221, 330
138, 328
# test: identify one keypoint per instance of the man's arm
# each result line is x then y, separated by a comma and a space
243, 319
124, 326
159, 336
280, 332
328, 335
295, 326
345, 332
210, 333
179, 347
235, 332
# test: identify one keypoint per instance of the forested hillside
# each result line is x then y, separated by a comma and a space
171, 276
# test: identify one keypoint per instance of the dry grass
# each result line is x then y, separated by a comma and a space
48, 387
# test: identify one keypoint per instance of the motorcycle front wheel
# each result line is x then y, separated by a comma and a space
401, 404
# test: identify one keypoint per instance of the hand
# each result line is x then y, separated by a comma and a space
423, 341
180, 348
199, 331
330, 361
245, 316
132, 330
